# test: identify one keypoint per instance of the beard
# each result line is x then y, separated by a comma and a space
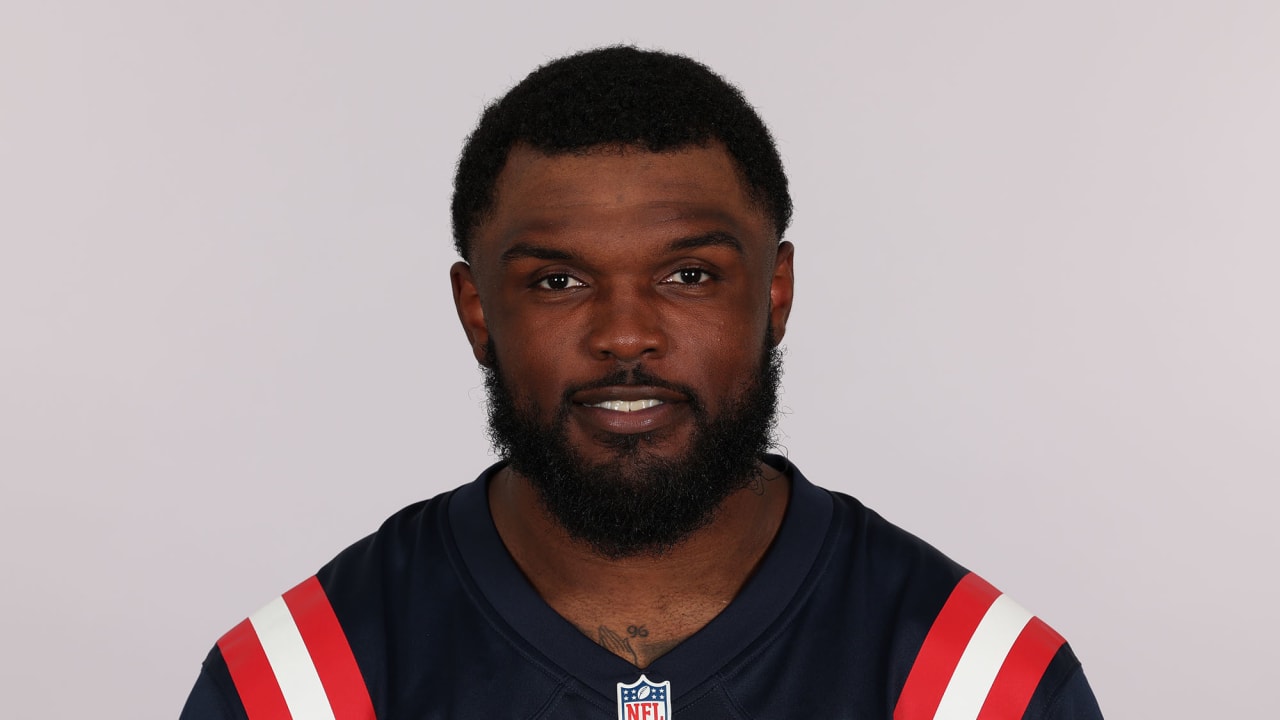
637, 502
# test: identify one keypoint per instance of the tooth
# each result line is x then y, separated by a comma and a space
628, 406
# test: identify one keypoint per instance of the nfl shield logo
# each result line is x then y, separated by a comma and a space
643, 700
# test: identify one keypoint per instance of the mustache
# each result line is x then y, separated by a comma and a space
635, 375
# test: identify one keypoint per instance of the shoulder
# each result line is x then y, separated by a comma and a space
886, 569
946, 638
372, 577
324, 640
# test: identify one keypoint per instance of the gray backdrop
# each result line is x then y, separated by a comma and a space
1034, 321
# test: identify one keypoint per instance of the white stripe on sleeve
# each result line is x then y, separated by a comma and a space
981, 661
291, 662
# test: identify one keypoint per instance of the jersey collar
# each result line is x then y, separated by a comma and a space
529, 622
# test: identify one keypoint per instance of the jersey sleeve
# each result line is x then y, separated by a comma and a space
986, 657
289, 659
1063, 693
213, 697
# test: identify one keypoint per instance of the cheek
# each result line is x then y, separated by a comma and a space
731, 323
722, 358
534, 359
523, 335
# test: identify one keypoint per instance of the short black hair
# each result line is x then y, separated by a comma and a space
618, 95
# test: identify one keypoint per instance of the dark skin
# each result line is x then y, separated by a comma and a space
607, 259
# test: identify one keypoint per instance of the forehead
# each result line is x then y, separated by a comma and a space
611, 192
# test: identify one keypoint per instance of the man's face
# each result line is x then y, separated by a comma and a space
628, 300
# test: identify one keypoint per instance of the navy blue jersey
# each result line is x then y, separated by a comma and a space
440, 623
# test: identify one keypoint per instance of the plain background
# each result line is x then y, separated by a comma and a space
1035, 318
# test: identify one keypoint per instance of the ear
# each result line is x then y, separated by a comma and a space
466, 299
781, 289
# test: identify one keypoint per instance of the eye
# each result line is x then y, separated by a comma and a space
558, 281
689, 276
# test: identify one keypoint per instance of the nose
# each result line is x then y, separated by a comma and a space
626, 326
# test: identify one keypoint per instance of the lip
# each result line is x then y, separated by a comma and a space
674, 408
626, 392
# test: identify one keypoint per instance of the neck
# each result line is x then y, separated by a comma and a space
639, 607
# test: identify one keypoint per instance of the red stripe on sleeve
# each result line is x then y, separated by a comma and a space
330, 652
252, 674
1021, 672
942, 648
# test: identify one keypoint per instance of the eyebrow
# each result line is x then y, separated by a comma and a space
529, 250
712, 239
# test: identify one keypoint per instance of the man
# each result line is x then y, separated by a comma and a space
636, 553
